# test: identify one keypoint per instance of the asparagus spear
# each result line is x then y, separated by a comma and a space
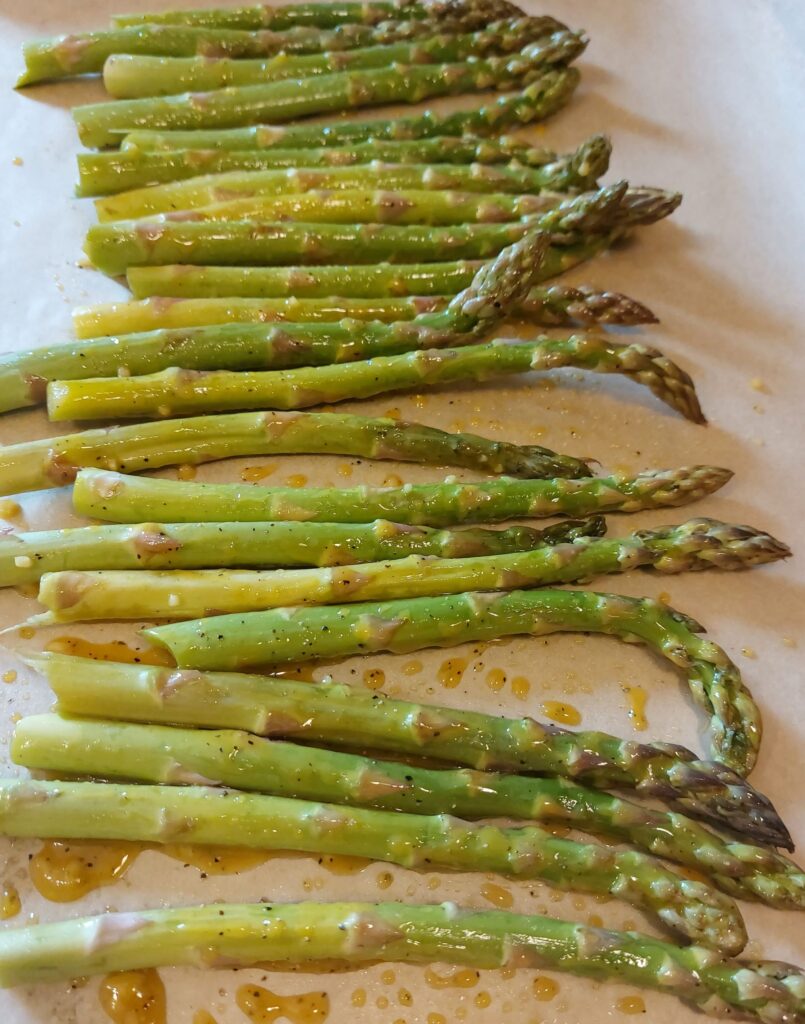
84, 53
201, 814
695, 545
181, 392
233, 642
379, 279
442, 208
132, 76
157, 313
323, 15
558, 305
543, 97
590, 223
102, 124
24, 557
116, 171
169, 755
475, 311
306, 933
334, 713
204, 190
115, 497
54, 461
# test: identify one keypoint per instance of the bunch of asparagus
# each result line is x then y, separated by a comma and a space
276, 266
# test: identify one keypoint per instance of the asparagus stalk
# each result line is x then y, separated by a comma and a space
307, 933
115, 497
440, 208
169, 755
558, 305
581, 227
201, 814
112, 318
205, 190
116, 171
543, 97
377, 280
25, 557
234, 642
54, 461
117, 248
124, 247
85, 53
185, 392
323, 15
475, 311
124, 594
102, 124
132, 76
337, 714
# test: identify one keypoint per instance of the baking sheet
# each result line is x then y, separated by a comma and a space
706, 98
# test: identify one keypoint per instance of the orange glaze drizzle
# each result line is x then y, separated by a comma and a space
631, 1004
117, 650
495, 679
637, 697
545, 989
451, 672
561, 711
496, 894
462, 978
253, 474
10, 903
65, 870
133, 997
262, 1006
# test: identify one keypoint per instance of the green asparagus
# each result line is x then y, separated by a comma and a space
201, 814
476, 311
115, 497
323, 15
116, 171
123, 247
85, 53
25, 557
306, 933
440, 208
206, 190
54, 461
224, 642
581, 227
182, 392
558, 305
480, 307
543, 97
133, 76
124, 594
103, 124
378, 280
337, 714
159, 754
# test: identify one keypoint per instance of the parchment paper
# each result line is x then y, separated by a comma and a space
704, 97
